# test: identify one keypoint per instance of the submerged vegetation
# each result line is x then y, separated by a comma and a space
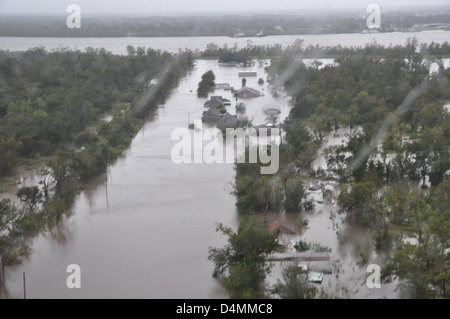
241, 263
393, 165
50, 104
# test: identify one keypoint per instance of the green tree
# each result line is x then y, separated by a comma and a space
298, 136
61, 169
357, 200
294, 193
295, 284
9, 154
243, 258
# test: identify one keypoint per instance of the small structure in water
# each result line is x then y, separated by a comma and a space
224, 86
271, 110
315, 188
247, 93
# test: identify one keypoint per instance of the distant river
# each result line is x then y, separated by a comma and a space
174, 44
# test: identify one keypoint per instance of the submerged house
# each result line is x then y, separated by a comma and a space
212, 115
247, 93
227, 121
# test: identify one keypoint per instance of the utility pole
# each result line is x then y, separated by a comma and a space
24, 287
2, 275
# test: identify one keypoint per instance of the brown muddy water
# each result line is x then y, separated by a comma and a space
143, 229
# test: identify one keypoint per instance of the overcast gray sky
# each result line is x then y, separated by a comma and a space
90, 7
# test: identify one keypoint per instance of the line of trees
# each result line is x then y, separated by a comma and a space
399, 188
48, 98
49, 104
297, 50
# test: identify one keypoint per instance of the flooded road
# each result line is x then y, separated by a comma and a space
143, 231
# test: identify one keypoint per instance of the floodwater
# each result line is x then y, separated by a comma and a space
143, 229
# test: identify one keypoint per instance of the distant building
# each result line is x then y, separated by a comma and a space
247, 93
260, 34
212, 115
227, 121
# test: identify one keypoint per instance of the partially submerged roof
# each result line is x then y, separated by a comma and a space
212, 114
247, 92
227, 121
213, 103
285, 228
217, 101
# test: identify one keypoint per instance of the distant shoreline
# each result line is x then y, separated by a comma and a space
211, 36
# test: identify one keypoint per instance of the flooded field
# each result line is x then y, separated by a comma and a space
143, 230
